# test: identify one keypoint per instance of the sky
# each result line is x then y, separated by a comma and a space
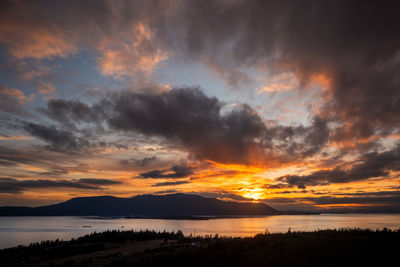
295, 104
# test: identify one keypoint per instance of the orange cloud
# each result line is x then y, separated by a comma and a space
45, 88
285, 81
136, 52
29, 41
16, 137
16, 95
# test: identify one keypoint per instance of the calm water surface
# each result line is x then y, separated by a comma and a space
25, 230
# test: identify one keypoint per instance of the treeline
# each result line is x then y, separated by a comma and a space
46, 250
319, 248
117, 236
343, 247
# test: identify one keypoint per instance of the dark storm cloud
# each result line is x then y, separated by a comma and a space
69, 112
58, 140
300, 140
71, 140
189, 117
371, 165
10, 185
203, 125
198, 122
177, 171
170, 183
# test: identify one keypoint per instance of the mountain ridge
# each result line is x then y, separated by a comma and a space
173, 205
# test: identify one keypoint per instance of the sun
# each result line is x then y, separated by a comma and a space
254, 193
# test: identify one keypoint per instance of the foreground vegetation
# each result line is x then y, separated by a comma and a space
129, 248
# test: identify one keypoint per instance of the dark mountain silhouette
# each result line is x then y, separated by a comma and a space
173, 205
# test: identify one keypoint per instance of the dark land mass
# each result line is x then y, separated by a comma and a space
145, 206
352, 247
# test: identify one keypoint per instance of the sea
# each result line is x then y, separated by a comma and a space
15, 231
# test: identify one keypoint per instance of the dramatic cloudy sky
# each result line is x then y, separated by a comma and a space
292, 103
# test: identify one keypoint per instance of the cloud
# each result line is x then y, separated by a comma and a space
46, 31
177, 171
98, 181
278, 186
71, 112
387, 201
170, 183
14, 137
138, 54
45, 88
58, 140
202, 125
353, 49
170, 191
7, 163
12, 100
370, 165
235, 78
28, 34
383, 201
35, 43
285, 81
14, 156
300, 141
14, 186
144, 162
188, 117
70, 140
225, 195
19, 155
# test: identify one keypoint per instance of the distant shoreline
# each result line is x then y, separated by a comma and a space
194, 217
199, 217
173, 217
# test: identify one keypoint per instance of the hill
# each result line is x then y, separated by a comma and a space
172, 205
